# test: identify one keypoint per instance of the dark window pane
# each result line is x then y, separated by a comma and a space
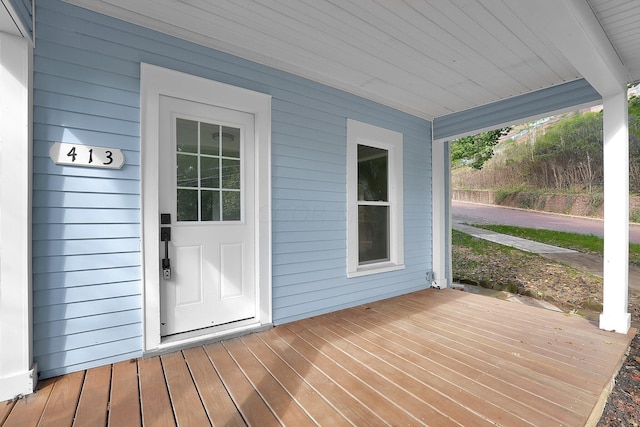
373, 234
210, 205
187, 170
231, 206
209, 139
210, 172
230, 142
186, 136
187, 205
372, 173
231, 174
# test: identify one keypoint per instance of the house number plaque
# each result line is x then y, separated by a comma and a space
63, 153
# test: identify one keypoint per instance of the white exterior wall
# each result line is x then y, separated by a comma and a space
17, 375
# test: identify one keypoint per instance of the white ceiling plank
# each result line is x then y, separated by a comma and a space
437, 41
361, 32
8, 24
425, 57
542, 58
621, 20
573, 28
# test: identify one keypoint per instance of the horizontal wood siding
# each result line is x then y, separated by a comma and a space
86, 222
521, 107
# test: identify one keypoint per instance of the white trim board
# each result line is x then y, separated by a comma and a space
157, 81
17, 371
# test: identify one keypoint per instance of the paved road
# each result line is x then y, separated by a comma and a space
483, 214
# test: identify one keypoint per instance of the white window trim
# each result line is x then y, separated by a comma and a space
392, 141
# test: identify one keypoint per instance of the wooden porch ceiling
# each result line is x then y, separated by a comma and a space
427, 58
429, 358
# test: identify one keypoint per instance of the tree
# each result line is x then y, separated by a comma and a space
476, 150
634, 143
634, 116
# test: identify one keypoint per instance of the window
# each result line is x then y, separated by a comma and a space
375, 241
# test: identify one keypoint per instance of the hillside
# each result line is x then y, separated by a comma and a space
554, 155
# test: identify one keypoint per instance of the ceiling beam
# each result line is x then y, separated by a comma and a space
574, 29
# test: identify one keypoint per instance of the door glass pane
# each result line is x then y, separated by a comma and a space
231, 206
186, 136
209, 172
201, 172
372, 173
373, 234
210, 205
210, 139
230, 142
187, 170
230, 174
187, 205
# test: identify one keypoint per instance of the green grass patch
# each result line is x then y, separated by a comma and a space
586, 243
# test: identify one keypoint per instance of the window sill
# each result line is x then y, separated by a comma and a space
384, 267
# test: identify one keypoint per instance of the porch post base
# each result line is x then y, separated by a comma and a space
440, 283
615, 322
20, 384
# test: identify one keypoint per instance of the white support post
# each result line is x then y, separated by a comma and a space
440, 223
18, 374
615, 316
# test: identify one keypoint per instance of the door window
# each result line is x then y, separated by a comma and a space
208, 171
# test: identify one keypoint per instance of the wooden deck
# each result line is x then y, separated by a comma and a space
429, 358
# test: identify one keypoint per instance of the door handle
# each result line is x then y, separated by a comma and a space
165, 236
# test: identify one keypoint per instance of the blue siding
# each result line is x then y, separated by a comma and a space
86, 252
517, 108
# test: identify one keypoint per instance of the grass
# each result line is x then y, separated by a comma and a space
587, 243
503, 268
490, 265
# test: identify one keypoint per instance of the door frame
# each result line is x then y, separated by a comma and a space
156, 81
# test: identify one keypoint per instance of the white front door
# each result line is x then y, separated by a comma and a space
206, 185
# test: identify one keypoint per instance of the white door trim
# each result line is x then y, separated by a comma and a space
156, 81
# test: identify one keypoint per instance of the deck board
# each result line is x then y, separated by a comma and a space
414, 372
155, 405
251, 406
184, 397
28, 410
424, 398
215, 398
284, 406
373, 400
442, 358
344, 402
318, 408
124, 407
63, 401
445, 371
94, 398
5, 410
